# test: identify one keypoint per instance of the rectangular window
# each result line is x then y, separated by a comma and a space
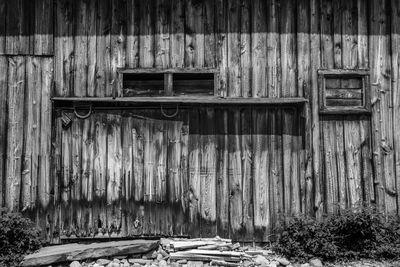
177, 82
344, 91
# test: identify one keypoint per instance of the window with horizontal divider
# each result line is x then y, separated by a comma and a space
344, 91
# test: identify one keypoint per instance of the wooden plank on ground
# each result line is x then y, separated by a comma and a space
79, 252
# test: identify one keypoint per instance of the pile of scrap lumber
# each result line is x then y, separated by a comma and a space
216, 251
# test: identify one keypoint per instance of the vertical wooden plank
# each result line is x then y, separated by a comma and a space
173, 172
194, 172
330, 164
92, 44
100, 170
341, 165
56, 173
382, 109
261, 165
275, 169
194, 34
207, 172
132, 33
19, 26
259, 43
245, 47
366, 168
246, 148
44, 178
66, 198
221, 124
177, 34
349, 35
15, 110
395, 48
103, 49
138, 142
76, 178
210, 44
81, 48
362, 34
173, 162
353, 164
288, 47
118, 42
183, 175
3, 16
32, 128
222, 47
162, 29
114, 173
234, 78
127, 184
3, 121
291, 146
337, 15
44, 27
87, 174
146, 39
327, 48
234, 172
315, 65
64, 48
304, 89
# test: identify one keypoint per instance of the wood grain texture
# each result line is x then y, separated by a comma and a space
43, 31
15, 128
3, 121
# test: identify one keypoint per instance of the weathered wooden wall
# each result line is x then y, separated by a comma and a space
234, 181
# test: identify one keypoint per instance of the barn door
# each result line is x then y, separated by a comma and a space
346, 158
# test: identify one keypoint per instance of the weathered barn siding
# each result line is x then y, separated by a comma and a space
232, 172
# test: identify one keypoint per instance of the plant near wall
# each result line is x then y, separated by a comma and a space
18, 236
352, 234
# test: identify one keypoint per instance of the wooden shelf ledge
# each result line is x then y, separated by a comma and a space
66, 102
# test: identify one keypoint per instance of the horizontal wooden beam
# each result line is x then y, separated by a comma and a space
174, 70
65, 102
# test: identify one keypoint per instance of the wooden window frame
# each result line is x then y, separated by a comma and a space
168, 78
344, 110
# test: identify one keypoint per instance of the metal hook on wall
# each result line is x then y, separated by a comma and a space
170, 115
80, 106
